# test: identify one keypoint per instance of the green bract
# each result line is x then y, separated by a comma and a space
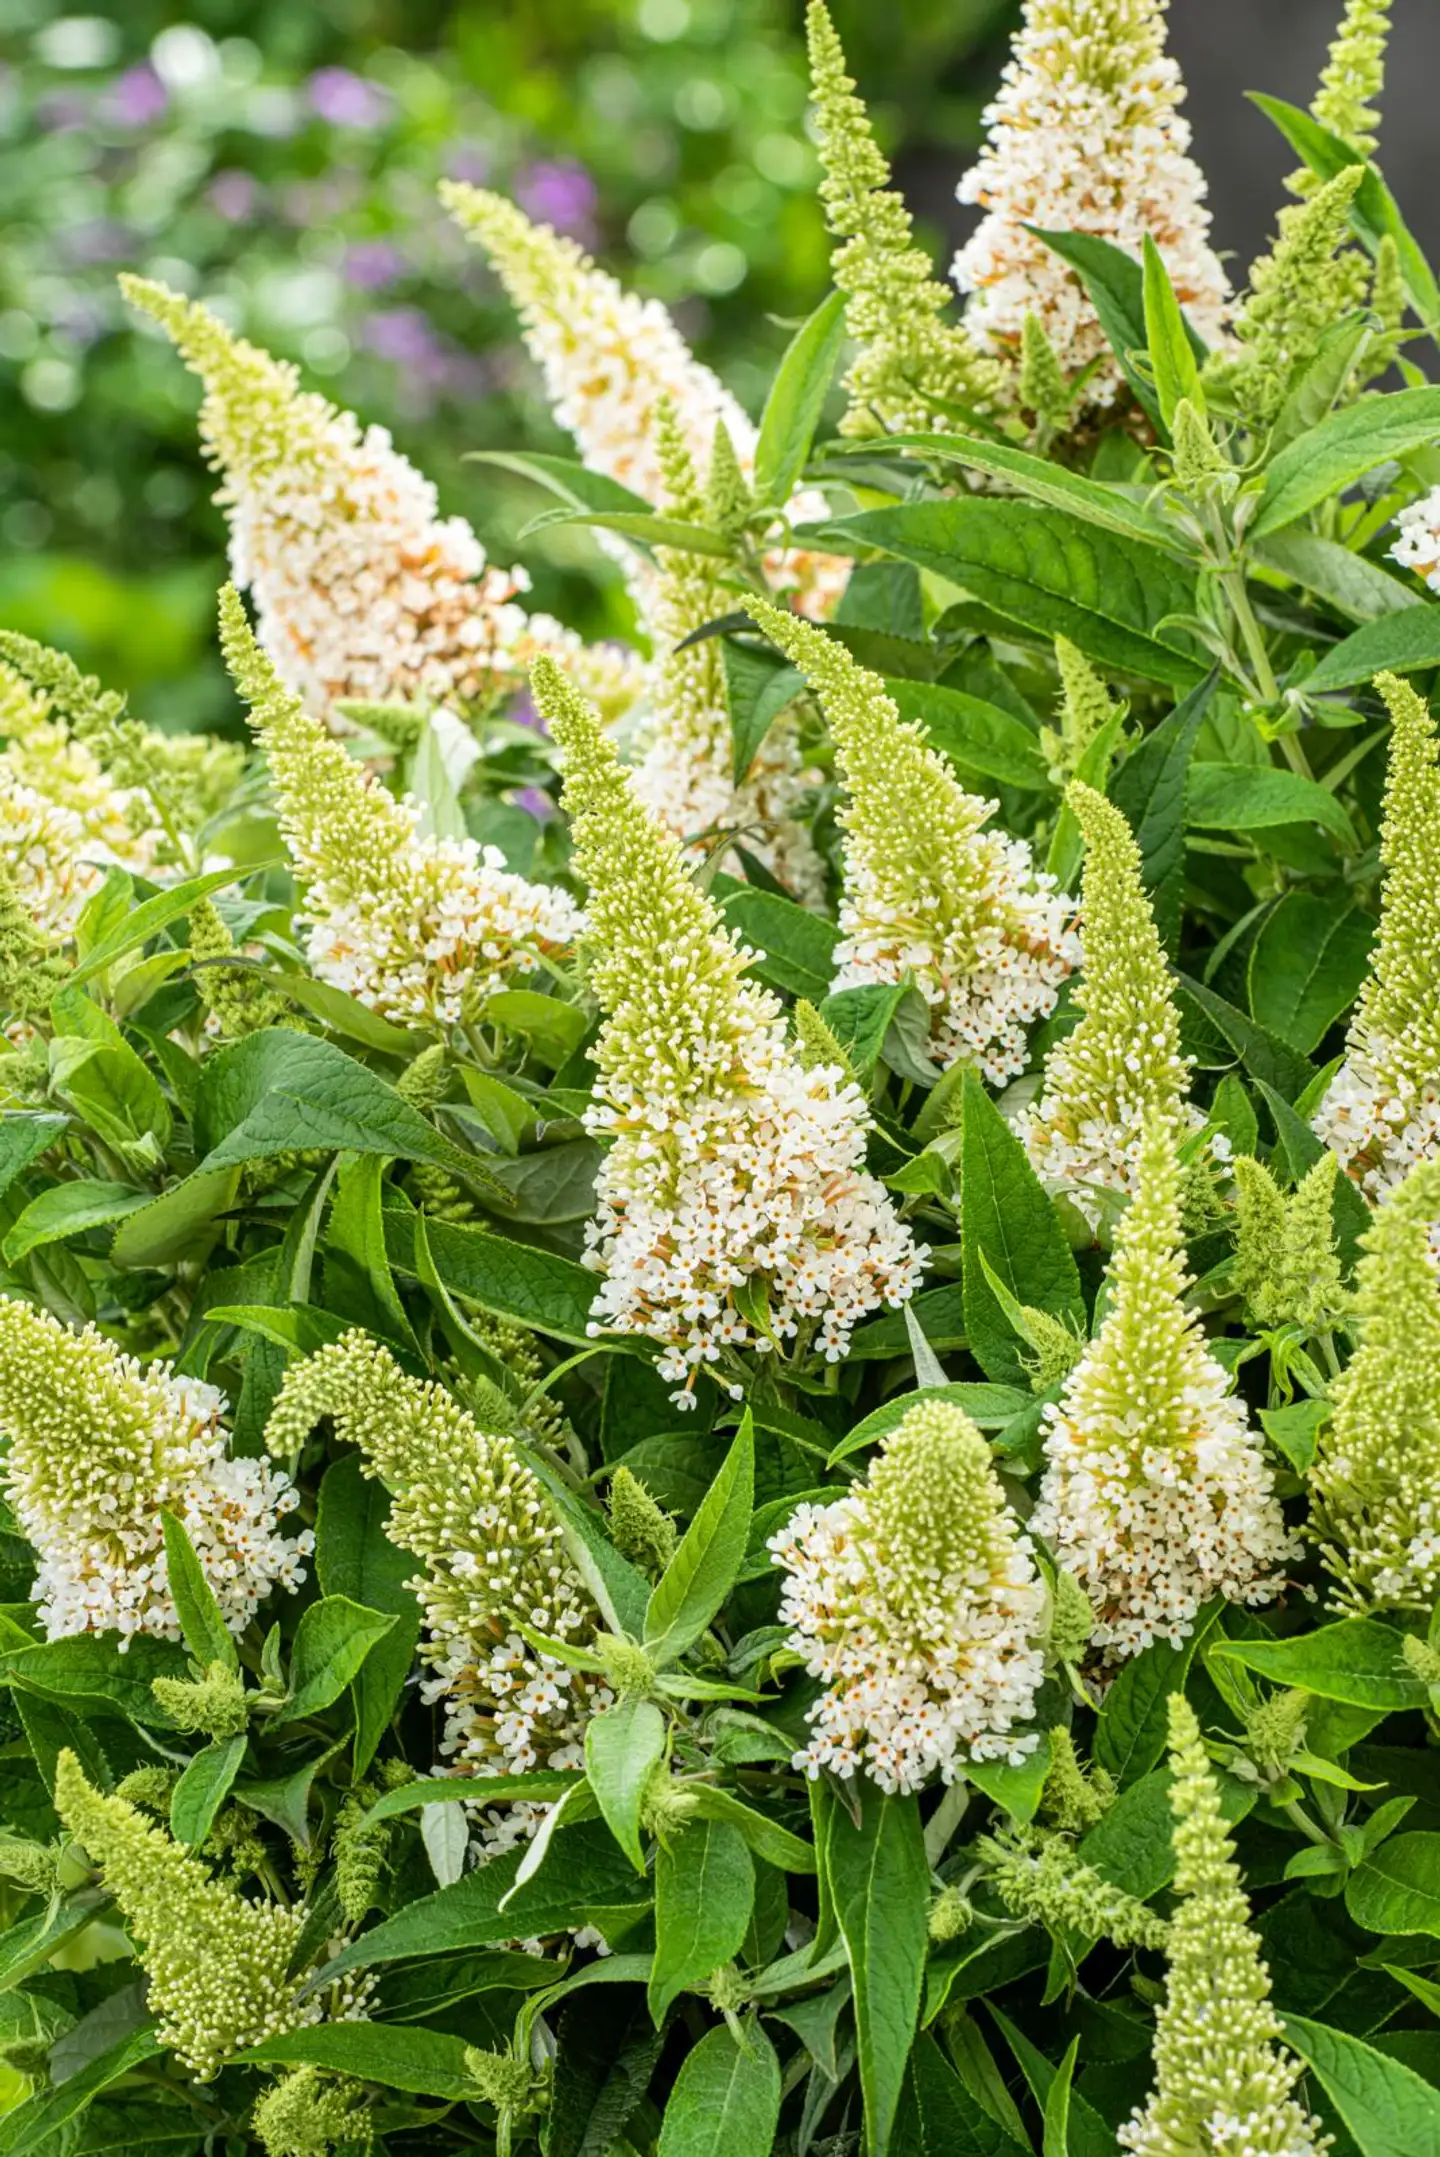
714, 1346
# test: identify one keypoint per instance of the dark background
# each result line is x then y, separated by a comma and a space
279, 157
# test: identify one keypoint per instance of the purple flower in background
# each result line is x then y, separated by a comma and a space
470, 163
99, 239
138, 98
522, 712
234, 195
373, 264
404, 334
535, 802
346, 99
558, 192
61, 113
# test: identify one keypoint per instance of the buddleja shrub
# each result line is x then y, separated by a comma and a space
721, 1362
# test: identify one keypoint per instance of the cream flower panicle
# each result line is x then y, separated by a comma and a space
218, 1966
915, 1600
608, 358
1157, 1494
686, 770
910, 362
733, 1207
1122, 1063
1381, 1111
361, 588
421, 929
1085, 136
1377, 1467
491, 1553
41, 753
48, 856
98, 1446
1224, 2082
929, 893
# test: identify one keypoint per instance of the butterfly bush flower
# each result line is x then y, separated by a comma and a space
218, 1966
1085, 136
915, 1600
47, 857
1377, 1468
909, 357
42, 755
1122, 1064
929, 894
421, 929
1224, 2082
1381, 1111
1157, 1494
491, 1552
361, 588
733, 1206
686, 770
1354, 76
98, 1446
608, 359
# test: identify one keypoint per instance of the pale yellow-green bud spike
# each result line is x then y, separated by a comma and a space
640, 1529
217, 1703
935, 1500
1306, 282
1040, 1877
338, 821
217, 1965
1075, 1798
1275, 1729
31, 971
728, 500
1086, 707
1377, 1468
1259, 1233
909, 356
1354, 76
668, 974
1310, 1288
1399, 1003
681, 496
1042, 387
1197, 456
249, 420
307, 2114
815, 1044
1218, 2039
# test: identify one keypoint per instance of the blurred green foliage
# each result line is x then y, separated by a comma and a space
280, 158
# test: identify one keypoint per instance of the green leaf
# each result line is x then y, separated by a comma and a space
278, 1091
425, 2063
554, 1028
1176, 375
149, 918
797, 948
345, 1015
860, 1019
34, 2126
1332, 456
23, 1138
756, 692
1057, 2101
1115, 285
880, 1881
992, 1407
796, 401
773, 1844
1034, 565
726, 2098
181, 1223
355, 1559
642, 526
1018, 1788
206, 1634
543, 1785
68, 1209
518, 1281
974, 735
565, 477
1307, 965
587, 1873
606, 2053
622, 1746
1152, 791
1359, 1661
702, 1572
204, 1787
1006, 1213
1037, 477
332, 1640
939, 2118
1130, 1736
1397, 643
619, 1588
1374, 213
1397, 1889
1134, 1845
1387, 2108
1351, 582
358, 1267
1254, 797
704, 1893
1293, 1430
1301, 1149
1269, 1060
89, 1667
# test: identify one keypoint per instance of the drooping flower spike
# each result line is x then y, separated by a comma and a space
1354, 76
1377, 1467
218, 1966
361, 588
421, 929
686, 769
491, 1552
1086, 136
1157, 1493
609, 359
929, 893
1381, 1111
1122, 1064
1224, 2081
98, 1446
910, 360
916, 1601
733, 1206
